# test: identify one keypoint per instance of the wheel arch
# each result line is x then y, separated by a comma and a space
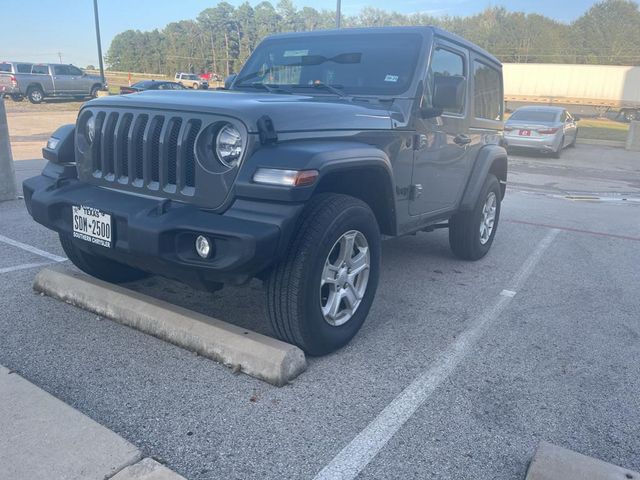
491, 159
369, 183
35, 85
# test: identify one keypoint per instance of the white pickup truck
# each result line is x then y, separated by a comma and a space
46, 80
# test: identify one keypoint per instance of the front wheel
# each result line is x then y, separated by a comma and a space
471, 233
319, 295
99, 267
94, 91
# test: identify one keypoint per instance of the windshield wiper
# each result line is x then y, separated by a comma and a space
265, 86
332, 88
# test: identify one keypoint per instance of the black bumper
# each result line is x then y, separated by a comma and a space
158, 236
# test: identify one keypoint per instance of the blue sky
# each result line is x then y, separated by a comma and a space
36, 30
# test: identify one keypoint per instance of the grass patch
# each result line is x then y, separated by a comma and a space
602, 129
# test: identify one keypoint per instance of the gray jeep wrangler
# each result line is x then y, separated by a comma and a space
323, 142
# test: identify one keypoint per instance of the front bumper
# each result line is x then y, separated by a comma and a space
158, 236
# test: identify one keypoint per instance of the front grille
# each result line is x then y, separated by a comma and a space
152, 151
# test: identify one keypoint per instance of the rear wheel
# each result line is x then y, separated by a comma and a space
575, 139
319, 295
99, 267
471, 233
17, 98
35, 95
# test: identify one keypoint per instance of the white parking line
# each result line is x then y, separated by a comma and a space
29, 248
368, 443
24, 266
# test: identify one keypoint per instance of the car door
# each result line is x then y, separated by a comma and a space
440, 162
62, 80
80, 84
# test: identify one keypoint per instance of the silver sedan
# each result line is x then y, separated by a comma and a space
545, 129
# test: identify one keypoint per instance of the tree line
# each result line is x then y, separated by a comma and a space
222, 37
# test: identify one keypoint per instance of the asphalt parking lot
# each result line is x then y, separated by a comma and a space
459, 371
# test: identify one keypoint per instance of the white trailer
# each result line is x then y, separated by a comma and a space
599, 88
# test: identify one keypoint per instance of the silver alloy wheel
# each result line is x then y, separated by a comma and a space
488, 217
36, 95
344, 278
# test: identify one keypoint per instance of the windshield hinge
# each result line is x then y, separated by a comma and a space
266, 130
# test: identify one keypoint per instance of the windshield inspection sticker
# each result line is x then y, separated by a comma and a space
391, 78
296, 53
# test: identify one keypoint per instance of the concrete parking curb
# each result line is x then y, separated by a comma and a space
257, 355
556, 463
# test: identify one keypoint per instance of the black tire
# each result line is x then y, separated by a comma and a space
464, 227
293, 289
35, 95
99, 267
196, 86
94, 91
17, 98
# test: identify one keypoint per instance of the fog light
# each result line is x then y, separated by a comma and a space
203, 246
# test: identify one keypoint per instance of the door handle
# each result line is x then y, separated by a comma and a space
462, 139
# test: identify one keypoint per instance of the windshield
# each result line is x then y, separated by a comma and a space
374, 64
534, 116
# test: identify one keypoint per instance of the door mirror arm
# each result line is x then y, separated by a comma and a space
431, 112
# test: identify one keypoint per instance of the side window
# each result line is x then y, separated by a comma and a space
75, 71
61, 70
40, 69
446, 73
24, 68
487, 97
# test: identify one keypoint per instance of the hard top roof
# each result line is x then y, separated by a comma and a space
422, 30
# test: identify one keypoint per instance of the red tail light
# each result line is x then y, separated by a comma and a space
547, 131
14, 82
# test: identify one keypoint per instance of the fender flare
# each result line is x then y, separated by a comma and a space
323, 156
491, 158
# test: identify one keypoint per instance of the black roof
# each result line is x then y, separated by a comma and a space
415, 29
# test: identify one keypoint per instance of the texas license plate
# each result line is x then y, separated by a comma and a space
525, 133
92, 225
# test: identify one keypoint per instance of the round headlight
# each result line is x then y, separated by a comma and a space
90, 129
229, 146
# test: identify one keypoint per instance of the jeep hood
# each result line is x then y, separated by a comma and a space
289, 113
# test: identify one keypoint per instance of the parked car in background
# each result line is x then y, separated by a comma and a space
9, 87
191, 80
151, 85
545, 129
49, 80
210, 77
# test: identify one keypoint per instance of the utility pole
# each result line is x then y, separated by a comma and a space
95, 14
338, 13
60, 56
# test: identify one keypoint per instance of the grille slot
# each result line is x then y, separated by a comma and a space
152, 151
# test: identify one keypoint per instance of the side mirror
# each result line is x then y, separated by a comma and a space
430, 112
448, 92
229, 81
